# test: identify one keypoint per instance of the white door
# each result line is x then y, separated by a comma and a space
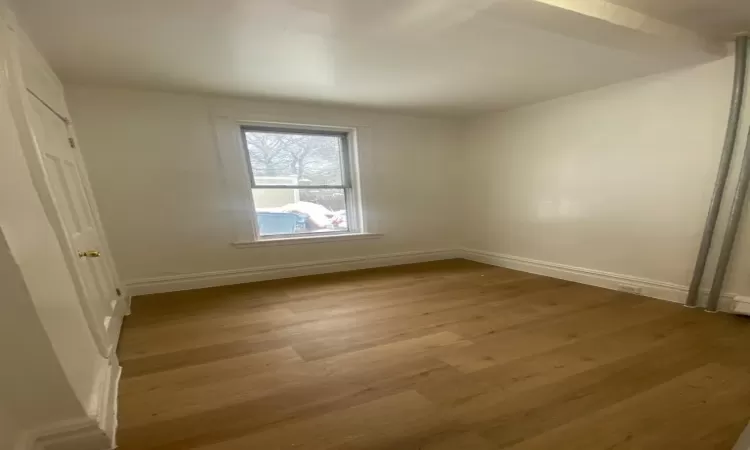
63, 171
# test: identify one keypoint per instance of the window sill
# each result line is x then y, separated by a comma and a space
297, 240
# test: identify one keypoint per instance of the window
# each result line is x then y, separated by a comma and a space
301, 181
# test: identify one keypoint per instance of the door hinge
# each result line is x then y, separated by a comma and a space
119, 292
72, 142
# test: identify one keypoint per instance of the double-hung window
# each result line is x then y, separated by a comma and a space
301, 180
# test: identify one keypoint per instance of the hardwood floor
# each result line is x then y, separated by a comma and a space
444, 355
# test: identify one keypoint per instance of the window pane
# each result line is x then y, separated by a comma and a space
300, 211
294, 159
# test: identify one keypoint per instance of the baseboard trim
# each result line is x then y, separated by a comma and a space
172, 283
70, 435
650, 288
95, 430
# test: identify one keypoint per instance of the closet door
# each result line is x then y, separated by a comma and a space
63, 172
59, 176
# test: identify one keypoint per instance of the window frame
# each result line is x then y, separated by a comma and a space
349, 180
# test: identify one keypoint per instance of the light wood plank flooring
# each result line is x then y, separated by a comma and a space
444, 355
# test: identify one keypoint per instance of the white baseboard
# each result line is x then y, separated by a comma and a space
608, 280
650, 288
95, 430
184, 282
78, 434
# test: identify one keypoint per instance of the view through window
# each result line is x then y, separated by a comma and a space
301, 180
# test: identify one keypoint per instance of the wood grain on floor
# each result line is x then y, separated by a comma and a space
443, 355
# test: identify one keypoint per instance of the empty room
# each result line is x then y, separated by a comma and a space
360, 224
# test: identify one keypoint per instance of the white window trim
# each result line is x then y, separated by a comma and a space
308, 239
240, 200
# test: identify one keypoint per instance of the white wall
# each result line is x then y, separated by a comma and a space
157, 178
33, 386
10, 431
617, 179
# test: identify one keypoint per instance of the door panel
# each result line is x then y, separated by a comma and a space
60, 162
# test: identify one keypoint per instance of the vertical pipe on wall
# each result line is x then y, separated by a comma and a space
735, 215
738, 91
